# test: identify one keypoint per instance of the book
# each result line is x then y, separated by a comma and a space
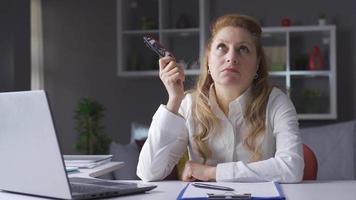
86, 161
72, 169
256, 191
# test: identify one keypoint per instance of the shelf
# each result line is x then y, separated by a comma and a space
310, 28
197, 72
311, 94
184, 30
128, 32
300, 73
171, 22
155, 31
192, 72
143, 73
154, 73
310, 73
289, 49
277, 73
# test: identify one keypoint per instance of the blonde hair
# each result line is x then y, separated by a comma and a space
255, 113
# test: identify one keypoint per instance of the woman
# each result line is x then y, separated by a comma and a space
236, 127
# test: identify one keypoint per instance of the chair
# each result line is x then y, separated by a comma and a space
310, 164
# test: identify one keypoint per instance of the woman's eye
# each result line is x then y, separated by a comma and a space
221, 49
221, 46
243, 49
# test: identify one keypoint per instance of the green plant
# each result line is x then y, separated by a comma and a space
88, 116
146, 23
322, 16
312, 100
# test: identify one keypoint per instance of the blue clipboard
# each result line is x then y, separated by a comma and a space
232, 196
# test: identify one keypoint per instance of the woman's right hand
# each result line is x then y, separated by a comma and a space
195, 171
172, 76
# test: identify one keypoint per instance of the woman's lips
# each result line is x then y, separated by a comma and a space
229, 69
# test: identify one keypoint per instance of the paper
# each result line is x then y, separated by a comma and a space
86, 165
259, 190
85, 158
86, 161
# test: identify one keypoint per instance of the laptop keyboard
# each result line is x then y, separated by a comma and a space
81, 188
85, 185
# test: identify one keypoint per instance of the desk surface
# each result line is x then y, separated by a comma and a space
311, 190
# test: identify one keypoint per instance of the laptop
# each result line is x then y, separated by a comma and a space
31, 158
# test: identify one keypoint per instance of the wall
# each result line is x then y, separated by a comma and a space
14, 45
80, 59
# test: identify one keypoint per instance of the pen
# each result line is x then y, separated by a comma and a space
211, 186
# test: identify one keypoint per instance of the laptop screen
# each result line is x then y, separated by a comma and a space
31, 161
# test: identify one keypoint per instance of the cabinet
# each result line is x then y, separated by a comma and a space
173, 23
310, 81
302, 62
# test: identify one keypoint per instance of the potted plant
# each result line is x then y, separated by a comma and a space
88, 116
322, 19
312, 101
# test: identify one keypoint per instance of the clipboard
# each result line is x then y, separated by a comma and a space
272, 191
229, 196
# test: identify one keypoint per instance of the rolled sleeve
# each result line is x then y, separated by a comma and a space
167, 125
167, 140
235, 171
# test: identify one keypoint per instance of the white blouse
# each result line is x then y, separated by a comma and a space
282, 155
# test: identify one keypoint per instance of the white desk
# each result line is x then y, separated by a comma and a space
328, 190
311, 190
167, 190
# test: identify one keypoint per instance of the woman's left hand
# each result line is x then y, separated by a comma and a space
194, 171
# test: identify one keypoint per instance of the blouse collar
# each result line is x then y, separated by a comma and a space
236, 107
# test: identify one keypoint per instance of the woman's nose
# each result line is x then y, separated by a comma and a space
232, 57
